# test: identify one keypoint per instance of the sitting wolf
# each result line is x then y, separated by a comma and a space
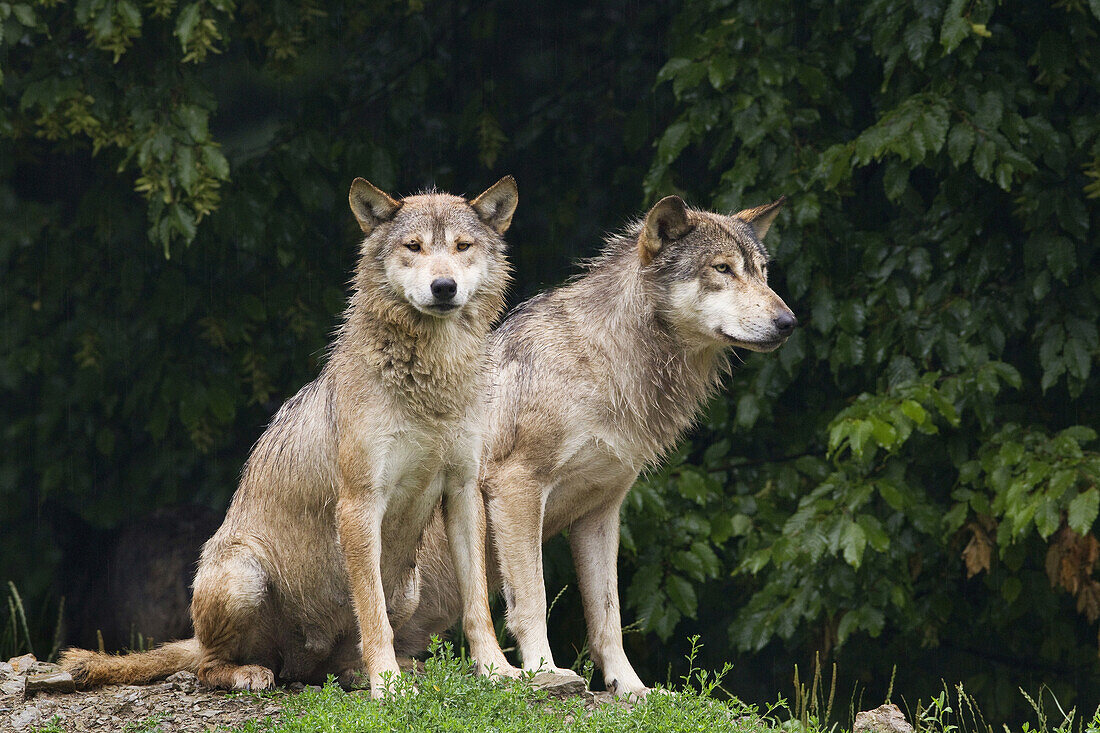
592, 383
324, 527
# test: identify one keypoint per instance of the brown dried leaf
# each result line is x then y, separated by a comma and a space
1068, 576
1071, 559
1088, 600
978, 553
1091, 553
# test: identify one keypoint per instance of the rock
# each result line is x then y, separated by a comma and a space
603, 697
28, 665
883, 719
559, 685
25, 718
183, 681
6, 670
12, 686
50, 682
21, 664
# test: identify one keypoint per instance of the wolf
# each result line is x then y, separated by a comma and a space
314, 565
593, 382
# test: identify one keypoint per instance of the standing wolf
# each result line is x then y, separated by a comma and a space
324, 527
593, 382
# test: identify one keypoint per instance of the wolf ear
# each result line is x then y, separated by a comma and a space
496, 206
371, 205
761, 218
666, 222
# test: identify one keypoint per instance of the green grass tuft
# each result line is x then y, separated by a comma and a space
450, 697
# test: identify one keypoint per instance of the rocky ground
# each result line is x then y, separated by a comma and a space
36, 695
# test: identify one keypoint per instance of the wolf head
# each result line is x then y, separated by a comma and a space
435, 251
714, 270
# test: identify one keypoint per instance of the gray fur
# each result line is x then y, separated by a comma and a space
593, 382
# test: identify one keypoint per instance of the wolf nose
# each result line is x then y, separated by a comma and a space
444, 288
785, 322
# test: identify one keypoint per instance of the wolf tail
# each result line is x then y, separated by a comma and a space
92, 669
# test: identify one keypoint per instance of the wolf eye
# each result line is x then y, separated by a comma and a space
722, 267
463, 246
412, 246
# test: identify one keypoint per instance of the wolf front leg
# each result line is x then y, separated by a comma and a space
359, 520
464, 519
515, 508
594, 540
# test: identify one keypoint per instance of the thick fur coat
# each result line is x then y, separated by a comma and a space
593, 382
314, 566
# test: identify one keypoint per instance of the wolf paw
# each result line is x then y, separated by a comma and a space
499, 668
632, 693
252, 677
550, 669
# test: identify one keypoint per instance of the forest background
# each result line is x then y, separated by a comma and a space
910, 482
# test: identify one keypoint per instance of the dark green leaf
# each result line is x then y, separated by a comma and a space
1083, 510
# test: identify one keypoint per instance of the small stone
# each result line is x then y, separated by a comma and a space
50, 682
20, 664
12, 686
182, 681
603, 697
131, 694
6, 670
559, 685
883, 719
182, 676
25, 718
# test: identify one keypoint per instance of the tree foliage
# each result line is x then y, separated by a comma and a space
912, 478
918, 464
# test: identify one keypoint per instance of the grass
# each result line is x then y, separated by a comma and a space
15, 637
15, 633
447, 696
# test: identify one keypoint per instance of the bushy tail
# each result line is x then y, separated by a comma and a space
92, 669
